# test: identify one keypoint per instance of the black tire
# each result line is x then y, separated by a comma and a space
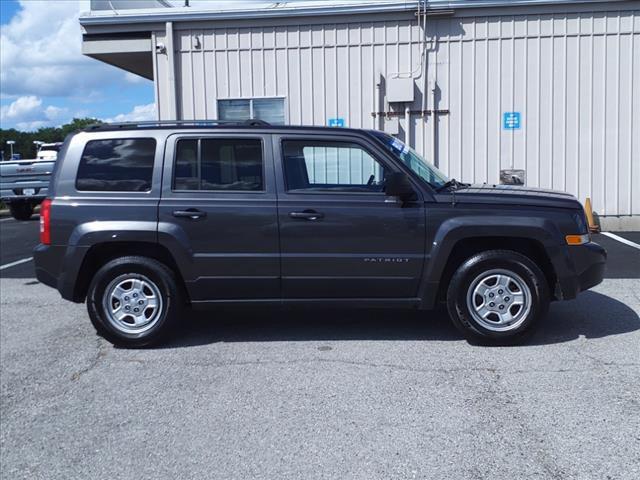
21, 211
486, 265
152, 272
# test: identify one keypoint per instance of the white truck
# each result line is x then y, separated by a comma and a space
24, 183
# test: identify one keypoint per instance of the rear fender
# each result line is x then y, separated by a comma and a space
89, 234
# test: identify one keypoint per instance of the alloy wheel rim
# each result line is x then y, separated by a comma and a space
132, 303
499, 300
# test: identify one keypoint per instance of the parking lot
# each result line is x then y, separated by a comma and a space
319, 394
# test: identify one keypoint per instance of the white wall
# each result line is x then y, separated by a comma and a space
575, 78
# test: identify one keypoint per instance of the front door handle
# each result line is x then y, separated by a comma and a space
311, 215
192, 213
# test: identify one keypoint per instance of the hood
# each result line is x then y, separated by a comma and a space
514, 195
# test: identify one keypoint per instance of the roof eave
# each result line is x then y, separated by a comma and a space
190, 16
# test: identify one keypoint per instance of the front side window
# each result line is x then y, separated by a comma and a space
270, 110
117, 165
330, 166
218, 164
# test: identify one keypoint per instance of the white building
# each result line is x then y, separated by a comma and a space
551, 87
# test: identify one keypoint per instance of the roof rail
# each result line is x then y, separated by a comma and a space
253, 122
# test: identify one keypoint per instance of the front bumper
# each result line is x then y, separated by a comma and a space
586, 266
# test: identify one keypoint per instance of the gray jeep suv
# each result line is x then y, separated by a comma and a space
144, 220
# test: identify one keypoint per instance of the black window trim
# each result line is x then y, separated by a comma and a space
217, 137
349, 140
114, 192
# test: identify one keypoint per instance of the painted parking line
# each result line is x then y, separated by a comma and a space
621, 240
5, 219
16, 263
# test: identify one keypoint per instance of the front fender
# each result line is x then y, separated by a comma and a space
453, 230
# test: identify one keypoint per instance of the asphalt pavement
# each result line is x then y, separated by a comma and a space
318, 394
17, 241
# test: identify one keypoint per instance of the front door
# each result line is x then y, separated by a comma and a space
218, 215
340, 235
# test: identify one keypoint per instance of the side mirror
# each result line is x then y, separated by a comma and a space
397, 184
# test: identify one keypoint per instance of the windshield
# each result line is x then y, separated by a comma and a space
428, 172
50, 147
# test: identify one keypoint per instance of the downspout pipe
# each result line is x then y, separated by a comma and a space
434, 119
173, 92
407, 125
378, 93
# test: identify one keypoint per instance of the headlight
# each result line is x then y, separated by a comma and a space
580, 219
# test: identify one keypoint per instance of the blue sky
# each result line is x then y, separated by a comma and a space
46, 81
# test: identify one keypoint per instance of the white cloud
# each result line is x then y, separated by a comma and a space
21, 109
140, 113
41, 53
27, 113
40, 58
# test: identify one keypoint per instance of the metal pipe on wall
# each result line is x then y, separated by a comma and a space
434, 133
378, 92
407, 125
173, 92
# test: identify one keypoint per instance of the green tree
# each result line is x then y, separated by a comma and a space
24, 140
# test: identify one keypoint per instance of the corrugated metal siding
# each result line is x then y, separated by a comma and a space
574, 78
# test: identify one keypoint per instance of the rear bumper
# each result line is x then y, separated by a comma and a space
587, 265
59, 267
48, 263
10, 195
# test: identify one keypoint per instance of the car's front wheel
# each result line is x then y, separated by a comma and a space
497, 297
134, 301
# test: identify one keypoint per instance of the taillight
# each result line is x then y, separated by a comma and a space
45, 222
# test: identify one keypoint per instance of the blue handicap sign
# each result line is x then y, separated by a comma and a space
336, 122
511, 120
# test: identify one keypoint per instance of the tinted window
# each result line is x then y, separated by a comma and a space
219, 164
117, 165
335, 166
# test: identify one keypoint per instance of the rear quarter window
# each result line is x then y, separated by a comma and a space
117, 165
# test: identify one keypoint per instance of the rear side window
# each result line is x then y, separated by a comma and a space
222, 164
117, 165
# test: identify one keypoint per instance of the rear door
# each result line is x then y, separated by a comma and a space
218, 208
340, 235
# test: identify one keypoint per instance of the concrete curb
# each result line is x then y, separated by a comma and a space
629, 223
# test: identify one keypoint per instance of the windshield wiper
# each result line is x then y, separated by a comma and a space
452, 184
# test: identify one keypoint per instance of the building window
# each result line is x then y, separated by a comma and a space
221, 164
118, 165
330, 167
270, 110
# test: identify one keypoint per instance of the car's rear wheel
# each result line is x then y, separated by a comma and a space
497, 297
21, 210
134, 301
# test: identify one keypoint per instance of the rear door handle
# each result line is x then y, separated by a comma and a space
192, 213
307, 215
